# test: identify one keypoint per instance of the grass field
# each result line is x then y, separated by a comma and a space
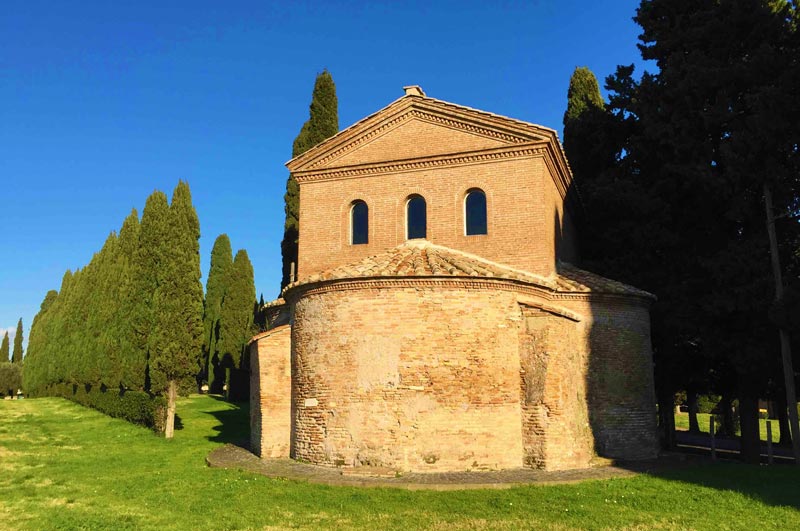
682, 423
66, 467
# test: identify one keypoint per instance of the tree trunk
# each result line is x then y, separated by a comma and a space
748, 416
172, 396
726, 409
666, 418
786, 347
691, 402
783, 421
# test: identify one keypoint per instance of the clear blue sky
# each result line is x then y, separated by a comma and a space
103, 102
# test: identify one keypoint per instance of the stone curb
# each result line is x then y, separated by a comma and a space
234, 457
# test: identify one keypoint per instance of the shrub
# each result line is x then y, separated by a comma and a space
10, 378
706, 403
137, 407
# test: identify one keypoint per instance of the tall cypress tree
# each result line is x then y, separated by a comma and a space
236, 324
589, 143
4, 349
176, 340
221, 262
323, 123
17, 355
131, 359
151, 258
35, 360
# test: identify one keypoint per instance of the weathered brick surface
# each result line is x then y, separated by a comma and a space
421, 377
620, 391
556, 433
271, 393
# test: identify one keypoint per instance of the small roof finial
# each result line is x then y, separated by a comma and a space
414, 90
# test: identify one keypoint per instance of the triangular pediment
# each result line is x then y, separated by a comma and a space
417, 127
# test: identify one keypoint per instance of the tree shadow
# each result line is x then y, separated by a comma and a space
772, 485
234, 423
622, 411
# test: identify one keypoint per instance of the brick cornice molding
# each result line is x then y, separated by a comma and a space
277, 330
529, 150
293, 294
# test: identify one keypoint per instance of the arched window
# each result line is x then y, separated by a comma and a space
359, 223
475, 212
416, 217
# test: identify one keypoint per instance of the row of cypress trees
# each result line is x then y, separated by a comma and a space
16, 357
132, 319
228, 319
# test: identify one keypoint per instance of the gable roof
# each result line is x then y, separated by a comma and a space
420, 258
507, 131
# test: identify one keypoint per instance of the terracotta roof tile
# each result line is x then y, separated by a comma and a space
420, 258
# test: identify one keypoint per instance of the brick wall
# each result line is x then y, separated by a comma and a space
421, 377
524, 208
620, 388
271, 393
556, 432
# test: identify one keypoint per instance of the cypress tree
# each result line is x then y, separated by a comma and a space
236, 324
131, 358
149, 260
221, 262
17, 356
37, 341
4, 349
176, 340
323, 123
589, 143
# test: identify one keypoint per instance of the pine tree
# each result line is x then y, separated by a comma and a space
221, 262
17, 356
4, 349
176, 340
236, 323
323, 123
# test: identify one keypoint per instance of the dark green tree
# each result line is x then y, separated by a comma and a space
680, 212
221, 262
4, 351
323, 123
590, 142
17, 354
10, 378
176, 340
236, 323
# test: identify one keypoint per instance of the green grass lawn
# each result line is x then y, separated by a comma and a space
682, 423
66, 467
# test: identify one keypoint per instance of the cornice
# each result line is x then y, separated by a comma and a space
293, 294
270, 332
416, 164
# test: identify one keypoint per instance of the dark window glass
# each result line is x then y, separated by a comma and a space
416, 218
359, 223
475, 211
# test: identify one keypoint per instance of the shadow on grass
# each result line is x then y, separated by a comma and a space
234, 423
776, 485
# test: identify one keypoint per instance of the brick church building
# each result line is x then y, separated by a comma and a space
438, 321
